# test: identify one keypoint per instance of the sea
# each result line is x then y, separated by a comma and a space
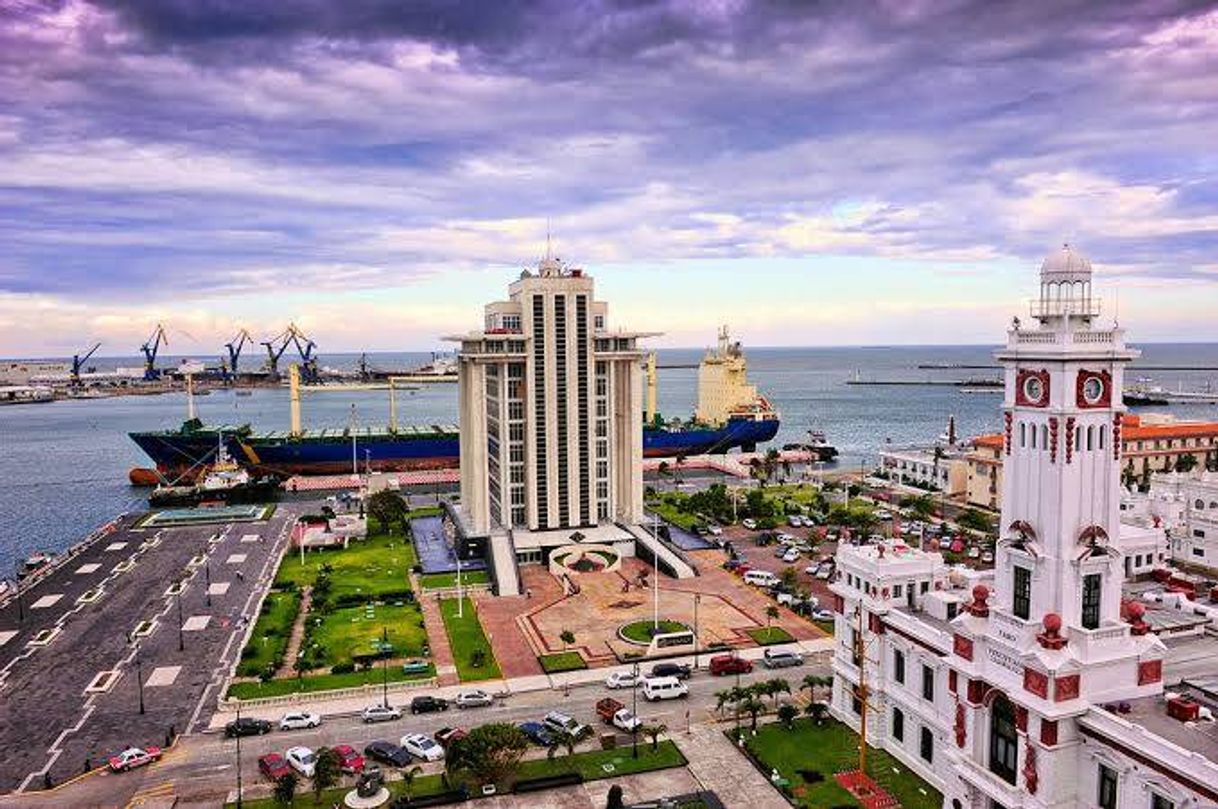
63, 465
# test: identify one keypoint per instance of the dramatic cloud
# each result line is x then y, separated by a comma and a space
163, 159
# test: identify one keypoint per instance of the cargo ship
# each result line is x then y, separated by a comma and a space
731, 414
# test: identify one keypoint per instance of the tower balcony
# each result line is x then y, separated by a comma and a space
1044, 308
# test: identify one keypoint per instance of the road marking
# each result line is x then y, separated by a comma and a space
115, 546
250, 538
84, 570
162, 676
196, 623
7, 635
236, 559
48, 600
219, 588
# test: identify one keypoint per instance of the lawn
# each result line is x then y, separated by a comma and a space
668, 510
769, 635
465, 635
441, 581
827, 749
352, 630
271, 633
423, 786
324, 682
591, 765
561, 661
641, 631
372, 567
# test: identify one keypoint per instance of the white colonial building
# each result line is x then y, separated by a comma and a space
1044, 689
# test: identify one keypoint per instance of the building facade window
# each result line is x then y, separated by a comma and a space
928, 683
898, 725
1159, 802
1004, 740
1106, 794
926, 748
1091, 601
1021, 591
898, 666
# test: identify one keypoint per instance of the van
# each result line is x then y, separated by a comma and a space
760, 578
657, 688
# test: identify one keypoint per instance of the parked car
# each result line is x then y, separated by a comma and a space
793, 600
298, 720
615, 713
302, 759
795, 521
760, 578
658, 688
387, 753
791, 556
561, 724
974, 552
729, 664
134, 757
538, 733
273, 766
475, 698
714, 530
349, 759
824, 572
823, 615
776, 659
679, 670
422, 747
987, 557
428, 704
621, 679
812, 569
749, 523
416, 667
380, 713
446, 736
246, 726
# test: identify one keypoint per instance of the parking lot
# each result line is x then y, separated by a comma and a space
101, 633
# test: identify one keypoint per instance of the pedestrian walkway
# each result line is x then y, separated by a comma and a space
441, 651
722, 769
297, 636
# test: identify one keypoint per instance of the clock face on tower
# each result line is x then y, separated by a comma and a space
1094, 389
1032, 388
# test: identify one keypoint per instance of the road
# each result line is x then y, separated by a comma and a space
203, 767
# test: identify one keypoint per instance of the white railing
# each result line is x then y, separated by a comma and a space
367, 690
1085, 337
1036, 337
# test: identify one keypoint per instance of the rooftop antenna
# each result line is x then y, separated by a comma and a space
549, 252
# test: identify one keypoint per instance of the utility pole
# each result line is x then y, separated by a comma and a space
384, 667
207, 580
697, 642
238, 757
634, 709
655, 580
139, 670
860, 653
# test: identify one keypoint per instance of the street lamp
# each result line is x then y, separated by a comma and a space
20, 602
238, 736
181, 637
384, 666
697, 601
207, 580
139, 669
634, 709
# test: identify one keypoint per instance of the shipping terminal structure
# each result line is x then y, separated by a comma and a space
730, 414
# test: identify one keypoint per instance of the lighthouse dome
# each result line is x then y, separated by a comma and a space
1066, 265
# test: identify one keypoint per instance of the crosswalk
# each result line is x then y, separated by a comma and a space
149, 797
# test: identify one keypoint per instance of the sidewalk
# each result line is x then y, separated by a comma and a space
348, 706
722, 769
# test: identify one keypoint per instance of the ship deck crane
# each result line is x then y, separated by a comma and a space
308, 360
234, 349
78, 362
150, 348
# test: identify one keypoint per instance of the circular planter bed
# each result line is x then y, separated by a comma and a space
641, 632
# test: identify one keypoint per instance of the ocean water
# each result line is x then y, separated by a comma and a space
63, 466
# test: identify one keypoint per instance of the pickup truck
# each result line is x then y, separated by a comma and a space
615, 713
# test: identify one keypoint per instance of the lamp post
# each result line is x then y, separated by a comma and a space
181, 636
139, 670
207, 580
697, 642
634, 709
384, 667
655, 580
460, 599
238, 735
20, 602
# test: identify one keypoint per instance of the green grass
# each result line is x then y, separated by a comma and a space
561, 661
769, 635
591, 764
323, 682
640, 631
347, 632
372, 567
668, 509
271, 633
465, 635
441, 581
830, 748
826, 626
423, 786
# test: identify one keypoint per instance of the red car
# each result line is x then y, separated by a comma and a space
273, 766
349, 759
729, 664
134, 757
446, 736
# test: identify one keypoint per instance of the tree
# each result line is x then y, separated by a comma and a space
567, 637
285, 788
789, 577
326, 771
654, 732
816, 710
753, 707
922, 506
814, 681
730, 696
408, 776
771, 612
773, 687
787, 714
1186, 462
490, 754
388, 507
975, 520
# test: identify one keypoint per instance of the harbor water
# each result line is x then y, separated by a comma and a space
63, 469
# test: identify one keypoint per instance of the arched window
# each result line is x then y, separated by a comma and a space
1199, 504
1078, 437
1044, 436
1103, 435
1033, 436
1023, 434
1091, 437
1004, 740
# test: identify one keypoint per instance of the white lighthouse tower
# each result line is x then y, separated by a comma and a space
1050, 642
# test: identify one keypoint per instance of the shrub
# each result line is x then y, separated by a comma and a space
346, 667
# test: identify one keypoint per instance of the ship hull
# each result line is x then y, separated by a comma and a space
183, 453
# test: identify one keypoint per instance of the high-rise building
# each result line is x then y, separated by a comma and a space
1039, 685
551, 415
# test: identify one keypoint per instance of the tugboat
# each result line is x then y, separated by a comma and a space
225, 481
34, 564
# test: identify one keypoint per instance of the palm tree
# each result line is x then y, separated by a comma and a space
776, 686
771, 612
654, 732
408, 777
815, 681
817, 711
753, 707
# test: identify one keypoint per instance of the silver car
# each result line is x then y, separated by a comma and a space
477, 698
380, 713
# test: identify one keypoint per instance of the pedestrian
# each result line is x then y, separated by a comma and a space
240, 576
528, 592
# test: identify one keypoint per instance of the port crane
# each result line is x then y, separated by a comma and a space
78, 362
150, 347
234, 349
292, 336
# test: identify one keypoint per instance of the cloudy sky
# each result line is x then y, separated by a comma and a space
812, 173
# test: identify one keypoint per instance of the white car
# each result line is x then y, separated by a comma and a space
380, 713
621, 679
302, 760
824, 572
795, 521
476, 698
974, 552
987, 556
792, 555
626, 721
822, 615
422, 747
812, 569
749, 523
299, 720
714, 530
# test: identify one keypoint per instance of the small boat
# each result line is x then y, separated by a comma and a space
245, 393
34, 563
224, 482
